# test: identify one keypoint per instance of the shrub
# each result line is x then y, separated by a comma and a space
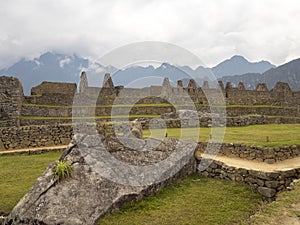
63, 170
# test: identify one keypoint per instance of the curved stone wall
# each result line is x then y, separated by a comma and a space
268, 184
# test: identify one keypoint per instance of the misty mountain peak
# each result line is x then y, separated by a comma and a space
238, 58
239, 65
52, 66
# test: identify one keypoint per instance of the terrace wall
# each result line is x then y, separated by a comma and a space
261, 154
268, 184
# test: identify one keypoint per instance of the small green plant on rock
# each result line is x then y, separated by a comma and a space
63, 170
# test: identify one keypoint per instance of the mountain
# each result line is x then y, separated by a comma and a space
289, 73
238, 65
138, 76
48, 67
65, 68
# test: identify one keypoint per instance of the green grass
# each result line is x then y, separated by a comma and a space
17, 175
192, 200
279, 134
63, 170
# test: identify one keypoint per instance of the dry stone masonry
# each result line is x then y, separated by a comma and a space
57, 99
34, 136
268, 155
268, 184
11, 98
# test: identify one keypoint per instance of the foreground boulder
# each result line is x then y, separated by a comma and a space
92, 191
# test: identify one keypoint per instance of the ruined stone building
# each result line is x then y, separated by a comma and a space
62, 94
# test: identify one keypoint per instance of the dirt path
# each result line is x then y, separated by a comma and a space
33, 150
261, 166
236, 162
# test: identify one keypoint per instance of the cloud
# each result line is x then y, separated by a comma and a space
214, 30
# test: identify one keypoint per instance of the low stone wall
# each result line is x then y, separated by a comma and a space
50, 99
261, 154
34, 136
268, 184
176, 123
28, 110
257, 120
52, 135
265, 110
230, 122
39, 122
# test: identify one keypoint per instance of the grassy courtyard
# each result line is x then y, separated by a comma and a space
192, 200
278, 134
17, 175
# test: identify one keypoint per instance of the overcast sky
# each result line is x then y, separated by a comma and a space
212, 29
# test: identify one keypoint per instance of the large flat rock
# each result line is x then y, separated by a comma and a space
95, 188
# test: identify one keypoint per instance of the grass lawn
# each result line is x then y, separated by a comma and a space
279, 134
17, 175
192, 200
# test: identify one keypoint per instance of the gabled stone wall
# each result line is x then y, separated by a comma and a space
54, 88
11, 98
62, 94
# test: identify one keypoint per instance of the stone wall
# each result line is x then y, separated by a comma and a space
261, 154
11, 95
51, 135
66, 111
173, 123
54, 88
62, 94
52, 93
49, 111
264, 110
268, 184
39, 122
57, 99
230, 122
281, 94
34, 136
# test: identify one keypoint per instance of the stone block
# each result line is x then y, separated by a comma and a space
65, 141
250, 180
49, 143
266, 192
260, 182
272, 184
2, 147
25, 143
270, 161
